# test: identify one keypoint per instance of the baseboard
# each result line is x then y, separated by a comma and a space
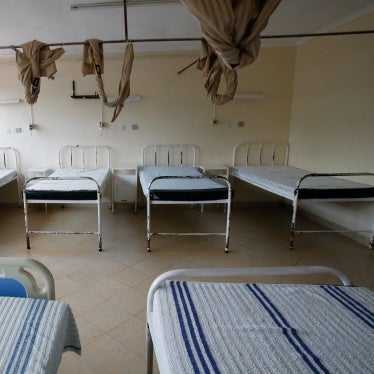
359, 237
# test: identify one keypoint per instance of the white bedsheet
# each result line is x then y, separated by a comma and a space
262, 328
282, 180
7, 175
101, 176
147, 174
34, 333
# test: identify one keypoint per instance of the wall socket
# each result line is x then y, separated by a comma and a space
130, 127
235, 124
14, 130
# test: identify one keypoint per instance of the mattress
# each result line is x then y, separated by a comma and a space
77, 188
180, 189
282, 180
262, 328
7, 175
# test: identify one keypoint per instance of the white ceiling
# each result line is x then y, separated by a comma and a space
53, 21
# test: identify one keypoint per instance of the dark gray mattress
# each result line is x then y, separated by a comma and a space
180, 184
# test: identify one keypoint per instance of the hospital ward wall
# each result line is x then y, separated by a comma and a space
174, 108
332, 127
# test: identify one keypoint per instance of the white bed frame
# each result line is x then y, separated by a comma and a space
180, 155
9, 159
73, 156
223, 273
271, 153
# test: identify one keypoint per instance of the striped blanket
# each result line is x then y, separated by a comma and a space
34, 333
261, 328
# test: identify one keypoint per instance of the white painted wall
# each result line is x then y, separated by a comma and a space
318, 96
332, 127
174, 109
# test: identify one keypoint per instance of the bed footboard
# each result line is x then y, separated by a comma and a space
29, 198
225, 200
177, 274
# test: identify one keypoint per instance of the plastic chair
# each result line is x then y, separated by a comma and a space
11, 287
16, 277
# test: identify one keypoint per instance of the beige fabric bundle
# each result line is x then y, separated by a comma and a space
213, 68
232, 28
93, 63
36, 61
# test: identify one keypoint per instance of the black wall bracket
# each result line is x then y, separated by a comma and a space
74, 96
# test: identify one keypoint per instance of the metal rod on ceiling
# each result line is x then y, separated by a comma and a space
119, 3
125, 19
153, 40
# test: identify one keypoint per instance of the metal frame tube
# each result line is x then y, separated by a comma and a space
227, 201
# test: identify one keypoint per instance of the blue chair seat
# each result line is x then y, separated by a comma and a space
11, 287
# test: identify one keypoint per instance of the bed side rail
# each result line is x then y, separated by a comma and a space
260, 153
228, 272
169, 155
9, 159
84, 156
312, 175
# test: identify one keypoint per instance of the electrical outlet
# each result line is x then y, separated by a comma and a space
14, 130
235, 124
130, 127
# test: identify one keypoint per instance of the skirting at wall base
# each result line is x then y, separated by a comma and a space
359, 237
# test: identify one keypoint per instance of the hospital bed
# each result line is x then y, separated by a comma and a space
168, 175
9, 168
208, 326
264, 165
82, 178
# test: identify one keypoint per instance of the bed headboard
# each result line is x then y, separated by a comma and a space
9, 158
260, 153
84, 156
169, 155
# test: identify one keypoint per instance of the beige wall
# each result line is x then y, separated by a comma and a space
332, 127
173, 109
318, 96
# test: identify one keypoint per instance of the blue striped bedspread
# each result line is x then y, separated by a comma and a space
34, 333
202, 327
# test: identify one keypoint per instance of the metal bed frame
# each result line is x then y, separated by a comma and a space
180, 155
74, 155
277, 154
9, 159
223, 273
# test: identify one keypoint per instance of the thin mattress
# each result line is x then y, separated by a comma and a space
180, 189
77, 188
262, 328
6, 176
282, 180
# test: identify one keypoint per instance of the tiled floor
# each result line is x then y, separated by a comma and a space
107, 290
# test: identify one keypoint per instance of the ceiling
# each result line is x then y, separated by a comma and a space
54, 21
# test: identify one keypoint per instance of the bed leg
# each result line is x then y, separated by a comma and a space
291, 240
227, 246
371, 244
149, 352
293, 223
100, 243
148, 222
25, 212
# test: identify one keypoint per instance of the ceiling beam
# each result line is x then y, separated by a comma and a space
120, 3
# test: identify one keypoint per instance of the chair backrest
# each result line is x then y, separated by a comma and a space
18, 269
11, 287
